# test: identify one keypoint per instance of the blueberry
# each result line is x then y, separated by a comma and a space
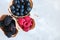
18, 6
21, 8
17, 13
25, 12
16, 1
28, 4
26, 0
28, 9
13, 11
17, 9
22, 0
12, 7
21, 14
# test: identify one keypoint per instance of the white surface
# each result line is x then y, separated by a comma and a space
47, 24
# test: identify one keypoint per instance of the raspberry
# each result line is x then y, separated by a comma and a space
26, 29
27, 18
25, 23
20, 21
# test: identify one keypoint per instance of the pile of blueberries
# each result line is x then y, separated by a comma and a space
20, 7
9, 26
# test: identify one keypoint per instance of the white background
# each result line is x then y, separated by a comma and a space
47, 23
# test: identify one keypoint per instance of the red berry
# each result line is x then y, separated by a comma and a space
26, 29
20, 21
27, 18
25, 23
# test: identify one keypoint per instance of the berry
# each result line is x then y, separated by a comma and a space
20, 7
7, 20
27, 18
21, 20
12, 28
26, 29
22, 0
16, 1
1, 23
22, 10
28, 9
9, 34
17, 13
25, 23
9, 26
25, 12
12, 7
